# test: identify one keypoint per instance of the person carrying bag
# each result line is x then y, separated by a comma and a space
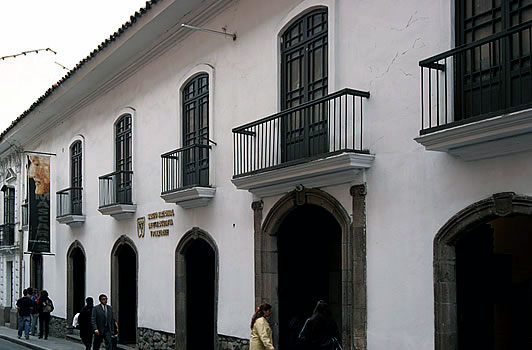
320, 331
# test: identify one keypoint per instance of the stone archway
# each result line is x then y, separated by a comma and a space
353, 259
194, 245
445, 301
124, 288
76, 279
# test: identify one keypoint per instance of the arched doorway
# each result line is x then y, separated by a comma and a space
309, 225
36, 271
483, 276
196, 292
309, 257
124, 288
76, 277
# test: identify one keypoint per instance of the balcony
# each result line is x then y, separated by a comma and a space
476, 100
318, 143
69, 206
7, 235
115, 193
185, 176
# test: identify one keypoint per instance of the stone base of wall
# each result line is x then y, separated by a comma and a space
226, 342
4, 315
58, 327
151, 339
13, 318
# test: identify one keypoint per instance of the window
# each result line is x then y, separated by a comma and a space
76, 177
304, 78
123, 159
495, 75
9, 205
195, 164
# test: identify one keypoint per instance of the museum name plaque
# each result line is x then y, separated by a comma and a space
158, 221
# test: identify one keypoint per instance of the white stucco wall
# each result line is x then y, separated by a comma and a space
374, 46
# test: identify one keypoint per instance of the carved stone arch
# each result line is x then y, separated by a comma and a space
266, 257
123, 241
184, 244
76, 246
481, 212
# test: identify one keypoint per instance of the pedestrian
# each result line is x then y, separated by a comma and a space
24, 308
320, 331
85, 323
102, 323
35, 312
45, 307
261, 333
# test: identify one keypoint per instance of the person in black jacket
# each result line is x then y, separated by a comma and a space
320, 331
45, 307
85, 323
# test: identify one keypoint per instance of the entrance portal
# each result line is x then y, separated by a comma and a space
75, 280
310, 269
124, 293
494, 285
36, 271
200, 277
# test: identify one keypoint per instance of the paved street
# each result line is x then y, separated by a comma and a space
7, 345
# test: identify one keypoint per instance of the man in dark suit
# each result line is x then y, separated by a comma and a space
102, 323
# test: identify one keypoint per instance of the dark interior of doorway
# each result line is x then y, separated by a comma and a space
78, 280
309, 245
200, 295
36, 272
494, 285
127, 294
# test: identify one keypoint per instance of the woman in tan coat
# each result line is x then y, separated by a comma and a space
261, 333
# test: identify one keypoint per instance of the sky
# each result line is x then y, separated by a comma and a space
72, 28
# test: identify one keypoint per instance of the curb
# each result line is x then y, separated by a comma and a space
23, 343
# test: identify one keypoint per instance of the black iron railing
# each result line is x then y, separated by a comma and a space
116, 188
7, 235
69, 201
185, 167
488, 77
311, 130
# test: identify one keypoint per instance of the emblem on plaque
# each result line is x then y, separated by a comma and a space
141, 226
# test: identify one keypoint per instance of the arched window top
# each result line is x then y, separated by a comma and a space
196, 87
307, 27
75, 148
123, 123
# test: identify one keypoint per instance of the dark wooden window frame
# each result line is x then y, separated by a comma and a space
9, 205
195, 101
76, 176
123, 129
297, 130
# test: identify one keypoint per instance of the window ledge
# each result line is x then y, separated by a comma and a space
72, 220
190, 197
119, 211
494, 137
334, 170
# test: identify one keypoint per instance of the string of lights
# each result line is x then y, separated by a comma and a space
24, 53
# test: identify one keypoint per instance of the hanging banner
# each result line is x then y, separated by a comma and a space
39, 204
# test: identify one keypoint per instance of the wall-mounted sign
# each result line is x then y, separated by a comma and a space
157, 222
141, 226
39, 204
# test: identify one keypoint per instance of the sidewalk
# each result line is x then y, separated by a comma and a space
51, 343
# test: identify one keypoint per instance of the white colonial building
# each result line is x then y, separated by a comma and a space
373, 154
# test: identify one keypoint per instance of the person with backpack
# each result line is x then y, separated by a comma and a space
34, 312
45, 307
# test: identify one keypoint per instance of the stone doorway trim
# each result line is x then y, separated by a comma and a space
180, 285
353, 253
123, 240
70, 278
445, 311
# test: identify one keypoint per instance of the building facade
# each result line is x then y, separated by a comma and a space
372, 155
